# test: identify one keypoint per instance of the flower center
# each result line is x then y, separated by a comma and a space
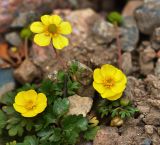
108, 82
52, 28
29, 105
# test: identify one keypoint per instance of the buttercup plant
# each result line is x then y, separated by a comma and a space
109, 81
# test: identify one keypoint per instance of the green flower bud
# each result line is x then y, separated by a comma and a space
124, 101
115, 17
116, 121
25, 33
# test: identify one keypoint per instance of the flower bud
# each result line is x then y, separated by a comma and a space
116, 121
124, 101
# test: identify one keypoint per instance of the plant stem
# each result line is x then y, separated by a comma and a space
118, 46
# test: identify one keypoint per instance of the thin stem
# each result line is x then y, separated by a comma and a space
118, 46
26, 47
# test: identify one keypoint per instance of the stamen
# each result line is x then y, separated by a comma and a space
52, 28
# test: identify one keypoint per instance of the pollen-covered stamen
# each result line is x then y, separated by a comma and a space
109, 82
30, 105
52, 28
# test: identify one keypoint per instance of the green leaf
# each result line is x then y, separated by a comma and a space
13, 131
8, 98
61, 107
60, 76
8, 110
73, 122
115, 17
31, 140
56, 135
3, 120
91, 133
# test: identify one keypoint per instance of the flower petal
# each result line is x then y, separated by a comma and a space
115, 97
107, 93
19, 98
30, 95
29, 113
19, 108
59, 42
65, 28
108, 70
41, 98
37, 27
45, 19
119, 75
98, 78
42, 39
99, 87
55, 19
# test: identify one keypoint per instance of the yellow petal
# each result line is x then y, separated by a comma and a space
65, 28
98, 78
99, 87
19, 108
19, 98
59, 42
115, 97
42, 39
55, 19
119, 75
45, 19
37, 27
30, 95
108, 93
108, 70
29, 113
40, 107
41, 98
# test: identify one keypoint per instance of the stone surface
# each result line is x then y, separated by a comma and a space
7, 82
79, 105
106, 136
157, 68
155, 39
26, 72
146, 60
130, 34
104, 32
149, 129
24, 18
147, 141
150, 13
127, 63
13, 38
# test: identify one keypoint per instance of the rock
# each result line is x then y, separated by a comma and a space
158, 130
79, 105
153, 86
154, 103
130, 34
144, 109
103, 31
155, 40
7, 82
147, 141
157, 68
153, 117
149, 129
13, 38
26, 72
106, 136
145, 60
24, 18
127, 63
150, 13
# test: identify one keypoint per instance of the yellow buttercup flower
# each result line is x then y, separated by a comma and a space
94, 121
29, 103
109, 81
51, 28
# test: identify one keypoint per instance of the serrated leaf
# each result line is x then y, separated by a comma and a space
3, 120
8, 110
56, 135
91, 133
13, 131
60, 107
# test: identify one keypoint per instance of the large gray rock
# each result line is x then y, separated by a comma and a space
130, 34
104, 32
148, 16
26, 72
13, 38
79, 105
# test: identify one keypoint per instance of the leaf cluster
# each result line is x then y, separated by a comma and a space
53, 126
116, 108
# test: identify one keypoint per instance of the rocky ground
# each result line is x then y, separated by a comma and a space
93, 43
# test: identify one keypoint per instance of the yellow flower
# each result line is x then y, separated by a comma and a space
93, 121
109, 81
51, 27
29, 103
